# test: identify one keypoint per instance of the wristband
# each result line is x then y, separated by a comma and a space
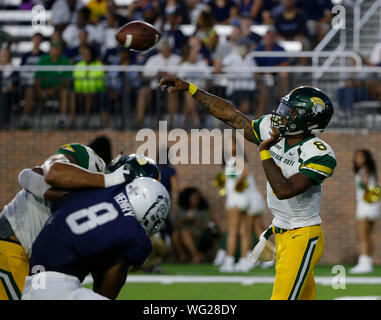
114, 178
265, 154
192, 89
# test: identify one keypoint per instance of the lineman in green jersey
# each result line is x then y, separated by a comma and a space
73, 166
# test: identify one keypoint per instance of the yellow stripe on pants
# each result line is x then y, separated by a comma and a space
297, 252
14, 267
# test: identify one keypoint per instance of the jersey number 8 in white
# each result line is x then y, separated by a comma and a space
91, 217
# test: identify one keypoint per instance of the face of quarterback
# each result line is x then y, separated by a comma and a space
285, 113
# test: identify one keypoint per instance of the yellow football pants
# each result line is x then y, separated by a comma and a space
297, 252
14, 267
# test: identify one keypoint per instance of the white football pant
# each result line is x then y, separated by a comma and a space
56, 286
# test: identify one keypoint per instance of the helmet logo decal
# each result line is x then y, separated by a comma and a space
318, 103
141, 160
132, 190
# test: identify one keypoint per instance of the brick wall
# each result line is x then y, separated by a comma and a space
21, 149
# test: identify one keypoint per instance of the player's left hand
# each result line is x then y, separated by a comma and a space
274, 139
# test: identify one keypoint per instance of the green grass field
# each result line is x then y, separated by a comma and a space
204, 282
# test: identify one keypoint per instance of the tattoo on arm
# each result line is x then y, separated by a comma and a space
226, 112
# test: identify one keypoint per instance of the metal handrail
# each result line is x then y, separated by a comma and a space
176, 69
359, 22
244, 69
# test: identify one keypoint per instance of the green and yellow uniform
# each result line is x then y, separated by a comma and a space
298, 235
24, 217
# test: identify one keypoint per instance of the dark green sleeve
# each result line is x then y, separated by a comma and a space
318, 168
256, 129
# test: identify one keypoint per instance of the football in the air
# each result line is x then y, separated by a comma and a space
138, 36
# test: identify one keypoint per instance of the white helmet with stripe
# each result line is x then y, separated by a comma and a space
150, 201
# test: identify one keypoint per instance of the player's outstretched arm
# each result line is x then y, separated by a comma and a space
283, 188
216, 106
61, 171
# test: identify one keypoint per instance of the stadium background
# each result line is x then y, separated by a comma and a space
361, 129
26, 149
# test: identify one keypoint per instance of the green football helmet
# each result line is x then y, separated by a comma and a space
139, 165
313, 111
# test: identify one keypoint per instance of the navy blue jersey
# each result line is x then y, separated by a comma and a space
90, 231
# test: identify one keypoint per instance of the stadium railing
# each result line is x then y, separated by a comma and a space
355, 91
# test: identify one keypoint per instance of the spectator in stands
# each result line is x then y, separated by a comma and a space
73, 53
195, 70
8, 83
98, 10
269, 43
27, 78
53, 84
112, 8
189, 221
354, 89
151, 15
109, 43
196, 43
270, 10
223, 11
267, 81
57, 37
225, 48
64, 12
71, 34
27, 5
206, 31
151, 74
174, 34
89, 87
245, 24
194, 7
291, 25
5, 38
251, 9
241, 85
137, 8
169, 7
318, 14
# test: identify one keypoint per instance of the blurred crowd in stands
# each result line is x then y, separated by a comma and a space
84, 36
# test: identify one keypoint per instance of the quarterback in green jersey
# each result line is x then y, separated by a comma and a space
296, 163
